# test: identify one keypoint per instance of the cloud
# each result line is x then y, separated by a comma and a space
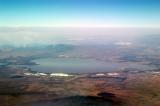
76, 39
123, 43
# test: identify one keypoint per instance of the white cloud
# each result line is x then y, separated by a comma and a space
123, 43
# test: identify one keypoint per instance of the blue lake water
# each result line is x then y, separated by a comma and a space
77, 65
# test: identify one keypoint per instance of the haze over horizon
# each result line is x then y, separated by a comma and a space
50, 36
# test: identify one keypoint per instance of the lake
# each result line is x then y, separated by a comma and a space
77, 65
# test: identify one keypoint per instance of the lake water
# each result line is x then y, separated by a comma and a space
77, 65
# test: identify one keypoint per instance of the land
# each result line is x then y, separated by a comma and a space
126, 88
21, 86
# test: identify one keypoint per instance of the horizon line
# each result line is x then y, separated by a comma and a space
74, 26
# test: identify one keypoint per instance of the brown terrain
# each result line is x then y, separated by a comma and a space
127, 88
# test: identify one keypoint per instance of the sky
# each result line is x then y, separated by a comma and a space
30, 22
80, 13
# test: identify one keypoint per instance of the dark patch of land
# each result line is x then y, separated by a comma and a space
136, 89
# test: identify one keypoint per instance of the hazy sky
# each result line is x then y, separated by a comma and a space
110, 13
